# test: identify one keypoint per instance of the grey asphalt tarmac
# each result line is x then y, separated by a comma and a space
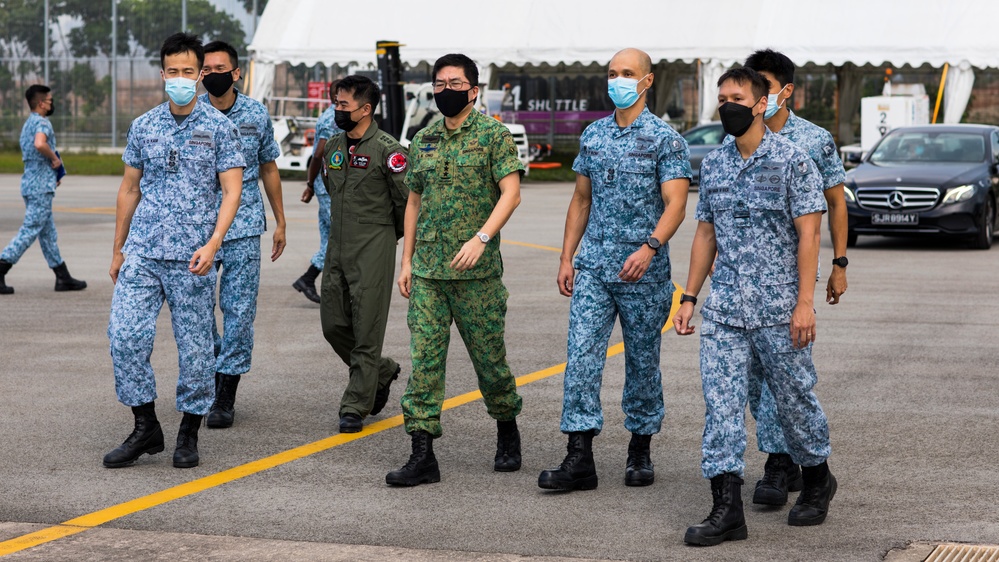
907, 376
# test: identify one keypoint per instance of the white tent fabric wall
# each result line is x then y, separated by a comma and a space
536, 32
711, 71
960, 80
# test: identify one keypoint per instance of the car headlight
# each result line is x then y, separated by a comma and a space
848, 193
957, 194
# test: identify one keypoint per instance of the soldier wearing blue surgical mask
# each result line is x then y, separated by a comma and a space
632, 178
179, 194
781, 475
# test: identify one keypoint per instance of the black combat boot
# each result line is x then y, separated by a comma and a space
639, 470
726, 521
780, 476
224, 408
507, 446
577, 471
422, 466
350, 423
382, 394
147, 437
65, 281
4, 268
186, 455
306, 284
813, 502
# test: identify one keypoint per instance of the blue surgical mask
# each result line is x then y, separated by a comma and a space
772, 106
624, 91
181, 90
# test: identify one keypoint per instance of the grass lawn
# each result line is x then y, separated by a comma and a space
93, 164
82, 164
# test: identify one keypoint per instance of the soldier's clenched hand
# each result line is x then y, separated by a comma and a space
469, 255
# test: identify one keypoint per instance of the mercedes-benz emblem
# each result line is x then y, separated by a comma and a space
896, 200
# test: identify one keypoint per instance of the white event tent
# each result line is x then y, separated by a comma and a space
847, 34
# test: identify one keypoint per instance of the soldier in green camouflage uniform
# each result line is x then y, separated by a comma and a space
363, 171
464, 181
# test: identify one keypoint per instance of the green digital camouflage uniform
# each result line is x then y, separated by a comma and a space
457, 173
367, 204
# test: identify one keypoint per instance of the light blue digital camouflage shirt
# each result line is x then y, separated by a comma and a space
256, 135
180, 186
325, 126
39, 177
819, 145
627, 168
752, 204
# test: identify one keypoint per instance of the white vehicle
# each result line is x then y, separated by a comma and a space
295, 134
421, 110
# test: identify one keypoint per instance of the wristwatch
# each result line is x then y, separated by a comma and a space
654, 243
841, 261
483, 236
687, 298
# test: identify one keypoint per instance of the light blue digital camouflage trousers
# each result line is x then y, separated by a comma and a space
38, 223
727, 355
643, 309
143, 285
239, 283
769, 435
319, 258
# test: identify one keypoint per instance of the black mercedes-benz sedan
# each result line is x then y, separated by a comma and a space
938, 180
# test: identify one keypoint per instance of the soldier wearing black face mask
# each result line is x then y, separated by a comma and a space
239, 277
363, 171
42, 173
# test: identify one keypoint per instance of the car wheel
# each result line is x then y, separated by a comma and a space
986, 228
851, 239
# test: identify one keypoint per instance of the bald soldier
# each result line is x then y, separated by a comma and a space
632, 177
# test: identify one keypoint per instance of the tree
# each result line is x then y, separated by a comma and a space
144, 24
261, 4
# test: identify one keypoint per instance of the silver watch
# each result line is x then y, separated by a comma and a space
483, 236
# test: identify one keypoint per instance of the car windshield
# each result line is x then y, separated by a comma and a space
711, 134
906, 147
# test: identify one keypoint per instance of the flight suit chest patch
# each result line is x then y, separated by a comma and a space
336, 160
359, 160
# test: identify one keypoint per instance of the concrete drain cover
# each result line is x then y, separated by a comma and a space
964, 553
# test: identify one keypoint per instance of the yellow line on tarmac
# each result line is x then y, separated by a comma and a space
85, 210
97, 518
535, 246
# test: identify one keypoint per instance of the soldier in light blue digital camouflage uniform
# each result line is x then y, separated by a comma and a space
781, 475
169, 227
325, 129
760, 206
633, 175
38, 185
239, 273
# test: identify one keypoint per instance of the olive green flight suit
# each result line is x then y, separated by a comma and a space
457, 175
367, 203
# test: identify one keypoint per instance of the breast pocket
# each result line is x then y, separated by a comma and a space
198, 186
154, 156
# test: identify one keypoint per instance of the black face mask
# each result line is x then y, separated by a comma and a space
218, 83
51, 109
451, 102
342, 119
736, 118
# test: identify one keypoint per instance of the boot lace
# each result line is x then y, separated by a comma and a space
773, 471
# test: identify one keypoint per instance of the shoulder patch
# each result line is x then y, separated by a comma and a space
676, 145
829, 149
801, 168
396, 162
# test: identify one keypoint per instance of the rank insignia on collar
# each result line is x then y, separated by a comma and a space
336, 160
396, 162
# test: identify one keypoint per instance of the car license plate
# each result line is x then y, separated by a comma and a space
895, 218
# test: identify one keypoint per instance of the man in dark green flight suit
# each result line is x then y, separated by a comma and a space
364, 172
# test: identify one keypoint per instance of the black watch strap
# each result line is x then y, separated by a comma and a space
841, 261
687, 298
